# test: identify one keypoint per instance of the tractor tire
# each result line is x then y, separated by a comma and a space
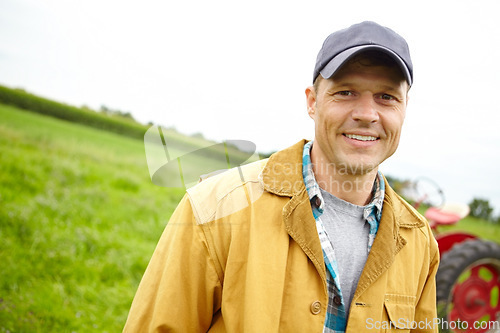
468, 281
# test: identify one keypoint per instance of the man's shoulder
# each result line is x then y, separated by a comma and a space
214, 188
222, 193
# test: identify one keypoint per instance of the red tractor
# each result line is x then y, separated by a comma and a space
468, 278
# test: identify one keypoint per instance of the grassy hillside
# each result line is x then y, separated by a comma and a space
79, 220
123, 124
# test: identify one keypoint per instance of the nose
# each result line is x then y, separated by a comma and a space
365, 110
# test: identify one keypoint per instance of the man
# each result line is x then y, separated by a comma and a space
312, 239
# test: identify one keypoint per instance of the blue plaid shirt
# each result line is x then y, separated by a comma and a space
336, 317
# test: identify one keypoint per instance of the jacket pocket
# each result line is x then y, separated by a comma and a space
400, 312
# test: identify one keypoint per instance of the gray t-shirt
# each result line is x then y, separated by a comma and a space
348, 232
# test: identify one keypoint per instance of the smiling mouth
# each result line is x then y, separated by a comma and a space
361, 137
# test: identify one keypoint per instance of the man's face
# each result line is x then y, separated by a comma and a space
358, 115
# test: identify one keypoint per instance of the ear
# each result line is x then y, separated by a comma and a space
311, 101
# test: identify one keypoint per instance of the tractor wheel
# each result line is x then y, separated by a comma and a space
468, 282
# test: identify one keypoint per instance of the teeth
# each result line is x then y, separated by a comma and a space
361, 137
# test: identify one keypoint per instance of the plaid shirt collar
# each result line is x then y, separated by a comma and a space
374, 208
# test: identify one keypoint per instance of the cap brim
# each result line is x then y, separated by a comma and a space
336, 63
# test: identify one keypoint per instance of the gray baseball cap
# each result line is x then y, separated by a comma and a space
342, 45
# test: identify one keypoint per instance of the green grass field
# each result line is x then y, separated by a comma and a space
475, 226
79, 220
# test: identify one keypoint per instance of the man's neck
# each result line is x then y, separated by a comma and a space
345, 185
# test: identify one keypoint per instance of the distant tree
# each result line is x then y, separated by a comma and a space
481, 208
126, 115
198, 135
86, 107
112, 112
398, 185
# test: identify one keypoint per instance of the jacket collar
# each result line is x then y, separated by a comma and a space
282, 176
396, 215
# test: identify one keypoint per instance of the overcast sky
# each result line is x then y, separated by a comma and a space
238, 70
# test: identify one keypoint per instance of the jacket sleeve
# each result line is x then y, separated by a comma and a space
425, 311
180, 290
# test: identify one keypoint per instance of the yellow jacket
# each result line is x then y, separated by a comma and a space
241, 253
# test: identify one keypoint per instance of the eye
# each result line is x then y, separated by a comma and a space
344, 93
387, 97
